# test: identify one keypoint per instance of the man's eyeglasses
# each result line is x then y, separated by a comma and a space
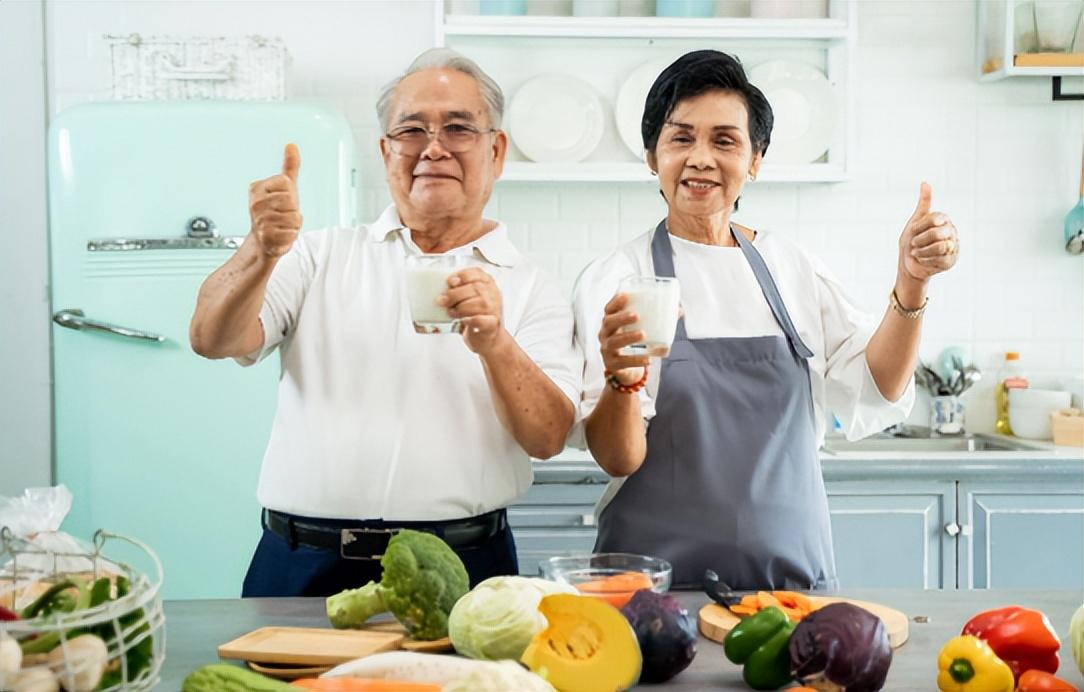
454, 137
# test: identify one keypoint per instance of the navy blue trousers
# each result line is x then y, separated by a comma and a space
279, 570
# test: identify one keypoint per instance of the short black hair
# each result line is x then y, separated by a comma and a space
695, 73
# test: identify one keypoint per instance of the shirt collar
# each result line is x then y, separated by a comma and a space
494, 247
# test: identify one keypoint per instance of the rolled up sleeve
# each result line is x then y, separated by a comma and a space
851, 392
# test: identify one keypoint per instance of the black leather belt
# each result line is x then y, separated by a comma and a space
367, 540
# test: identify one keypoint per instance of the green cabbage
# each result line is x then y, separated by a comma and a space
499, 617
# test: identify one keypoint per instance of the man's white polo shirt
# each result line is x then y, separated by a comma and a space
375, 421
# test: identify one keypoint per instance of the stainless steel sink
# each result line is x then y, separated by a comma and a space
891, 443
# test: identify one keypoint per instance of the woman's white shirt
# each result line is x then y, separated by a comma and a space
721, 298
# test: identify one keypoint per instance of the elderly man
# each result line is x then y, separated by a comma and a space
378, 427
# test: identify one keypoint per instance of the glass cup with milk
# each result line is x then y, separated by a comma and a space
656, 301
426, 279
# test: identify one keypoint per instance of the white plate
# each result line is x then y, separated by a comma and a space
804, 109
629, 107
556, 117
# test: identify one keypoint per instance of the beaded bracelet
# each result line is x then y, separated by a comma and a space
615, 384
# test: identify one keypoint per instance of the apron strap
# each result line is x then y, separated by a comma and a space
771, 293
662, 255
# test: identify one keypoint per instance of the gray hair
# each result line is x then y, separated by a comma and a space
446, 59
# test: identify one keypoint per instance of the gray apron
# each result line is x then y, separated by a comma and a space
731, 481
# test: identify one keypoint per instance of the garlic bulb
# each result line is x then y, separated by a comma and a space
11, 660
80, 663
36, 679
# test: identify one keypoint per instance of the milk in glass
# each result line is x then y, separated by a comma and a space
656, 301
427, 278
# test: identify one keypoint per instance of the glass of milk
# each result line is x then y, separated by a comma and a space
427, 278
656, 300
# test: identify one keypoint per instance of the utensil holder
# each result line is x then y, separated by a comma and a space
946, 415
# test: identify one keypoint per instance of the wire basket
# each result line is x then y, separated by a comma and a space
130, 621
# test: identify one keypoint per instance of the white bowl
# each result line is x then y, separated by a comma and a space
1030, 409
1047, 399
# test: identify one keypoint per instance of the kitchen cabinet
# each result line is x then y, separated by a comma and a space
603, 51
1021, 534
894, 534
1030, 39
968, 523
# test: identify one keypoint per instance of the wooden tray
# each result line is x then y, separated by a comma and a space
716, 621
308, 645
434, 646
288, 672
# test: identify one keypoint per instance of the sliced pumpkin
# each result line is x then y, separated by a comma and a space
587, 646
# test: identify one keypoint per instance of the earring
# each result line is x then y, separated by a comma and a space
654, 172
752, 177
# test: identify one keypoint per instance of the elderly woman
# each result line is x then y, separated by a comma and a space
713, 450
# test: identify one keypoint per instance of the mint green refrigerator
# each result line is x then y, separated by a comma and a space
146, 199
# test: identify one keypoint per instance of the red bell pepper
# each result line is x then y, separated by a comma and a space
1041, 681
7, 615
1021, 637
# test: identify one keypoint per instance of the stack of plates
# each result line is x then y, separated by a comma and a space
629, 108
556, 117
803, 106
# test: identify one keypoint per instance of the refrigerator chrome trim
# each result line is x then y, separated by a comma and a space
180, 243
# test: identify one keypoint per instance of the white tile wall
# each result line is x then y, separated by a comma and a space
1002, 159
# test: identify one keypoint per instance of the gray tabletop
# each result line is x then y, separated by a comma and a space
194, 629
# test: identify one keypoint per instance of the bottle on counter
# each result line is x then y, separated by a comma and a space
1010, 376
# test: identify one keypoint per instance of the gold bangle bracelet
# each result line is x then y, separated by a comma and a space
904, 312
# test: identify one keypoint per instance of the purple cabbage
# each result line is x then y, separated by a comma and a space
841, 647
666, 633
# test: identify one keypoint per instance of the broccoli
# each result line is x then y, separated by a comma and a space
422, 580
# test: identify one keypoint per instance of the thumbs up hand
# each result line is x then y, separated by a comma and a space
274, 208
929, 244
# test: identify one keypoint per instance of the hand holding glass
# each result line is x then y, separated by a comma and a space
426, 279
656, 301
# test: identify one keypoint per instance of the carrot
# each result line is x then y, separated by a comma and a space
767, 600
742, 610
794, 604
363, 685
617, 590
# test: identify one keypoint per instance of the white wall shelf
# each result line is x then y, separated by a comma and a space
645, 27
1002, 37
602, 51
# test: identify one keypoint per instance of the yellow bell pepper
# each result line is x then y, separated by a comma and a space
968, 664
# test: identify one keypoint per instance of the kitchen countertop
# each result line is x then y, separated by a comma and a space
577, 465
194, 629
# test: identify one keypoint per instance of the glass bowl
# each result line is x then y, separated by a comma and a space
613, 577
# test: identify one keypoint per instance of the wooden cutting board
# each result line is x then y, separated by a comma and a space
716, 621
434, 646
308, 646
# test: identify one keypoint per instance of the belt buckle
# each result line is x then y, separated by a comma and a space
350, 536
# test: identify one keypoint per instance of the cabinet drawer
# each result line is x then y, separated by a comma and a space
562, 516
535, 545
556, 541
562, 494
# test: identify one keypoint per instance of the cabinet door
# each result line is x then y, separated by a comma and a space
1022, 535
554, 519
893, 534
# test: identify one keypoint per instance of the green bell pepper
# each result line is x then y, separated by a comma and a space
759, 642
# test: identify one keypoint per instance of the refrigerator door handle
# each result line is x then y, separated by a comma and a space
74, 319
